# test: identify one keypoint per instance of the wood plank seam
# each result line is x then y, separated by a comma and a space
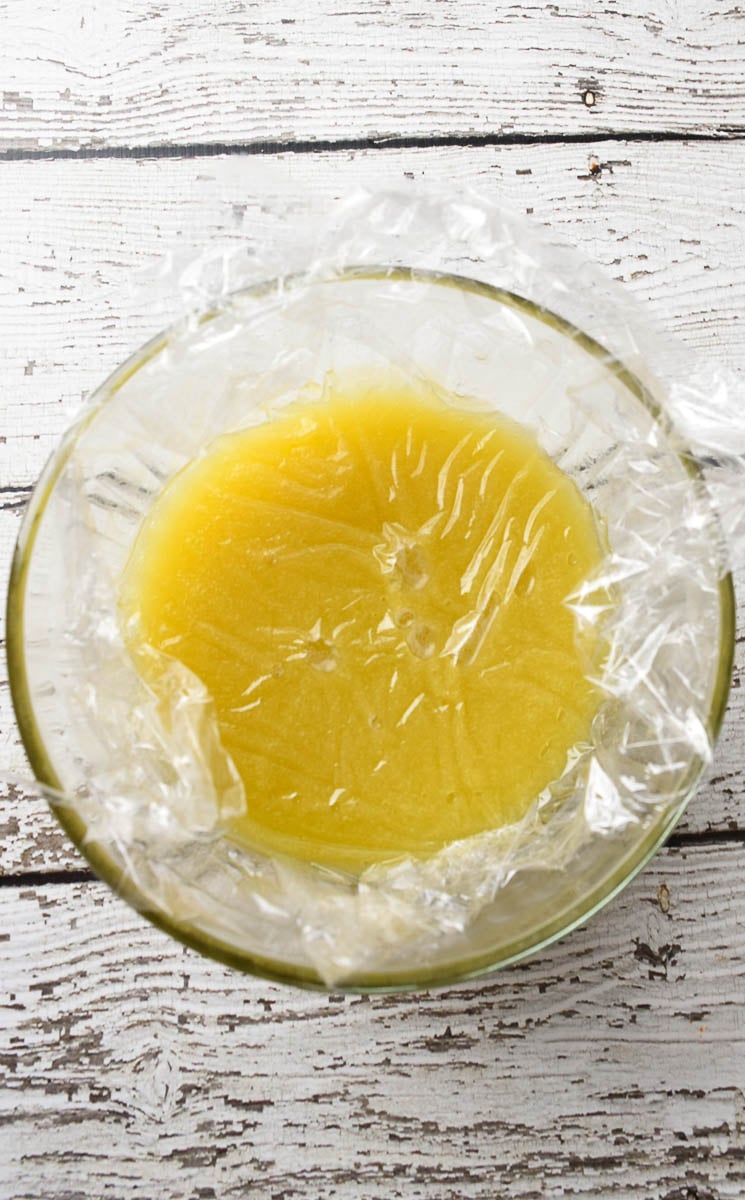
212, 149
677, 841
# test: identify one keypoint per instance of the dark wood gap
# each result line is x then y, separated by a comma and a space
676, 841
42, 878
682, 840
393, 142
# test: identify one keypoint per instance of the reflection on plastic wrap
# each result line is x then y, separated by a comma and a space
364, 710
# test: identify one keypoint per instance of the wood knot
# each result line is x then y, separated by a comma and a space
589, 91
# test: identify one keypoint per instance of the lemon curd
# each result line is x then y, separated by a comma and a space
373, 588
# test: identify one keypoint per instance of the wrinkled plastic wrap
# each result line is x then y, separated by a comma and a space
453, 295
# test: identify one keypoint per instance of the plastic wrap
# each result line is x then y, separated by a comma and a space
455, 297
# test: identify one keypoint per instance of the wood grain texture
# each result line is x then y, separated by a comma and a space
611, 1067
132, 73
669, 223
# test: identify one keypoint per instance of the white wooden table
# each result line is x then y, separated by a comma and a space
613, 1065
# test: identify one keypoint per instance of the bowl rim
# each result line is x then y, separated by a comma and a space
462, 969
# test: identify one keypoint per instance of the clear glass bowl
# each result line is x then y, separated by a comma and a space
239, 364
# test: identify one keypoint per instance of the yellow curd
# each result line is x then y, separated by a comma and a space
373, 589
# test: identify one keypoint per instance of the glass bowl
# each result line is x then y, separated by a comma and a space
238, 364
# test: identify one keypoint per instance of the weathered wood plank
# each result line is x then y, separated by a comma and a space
611, 1067
75, 232
667, 221
129, 73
